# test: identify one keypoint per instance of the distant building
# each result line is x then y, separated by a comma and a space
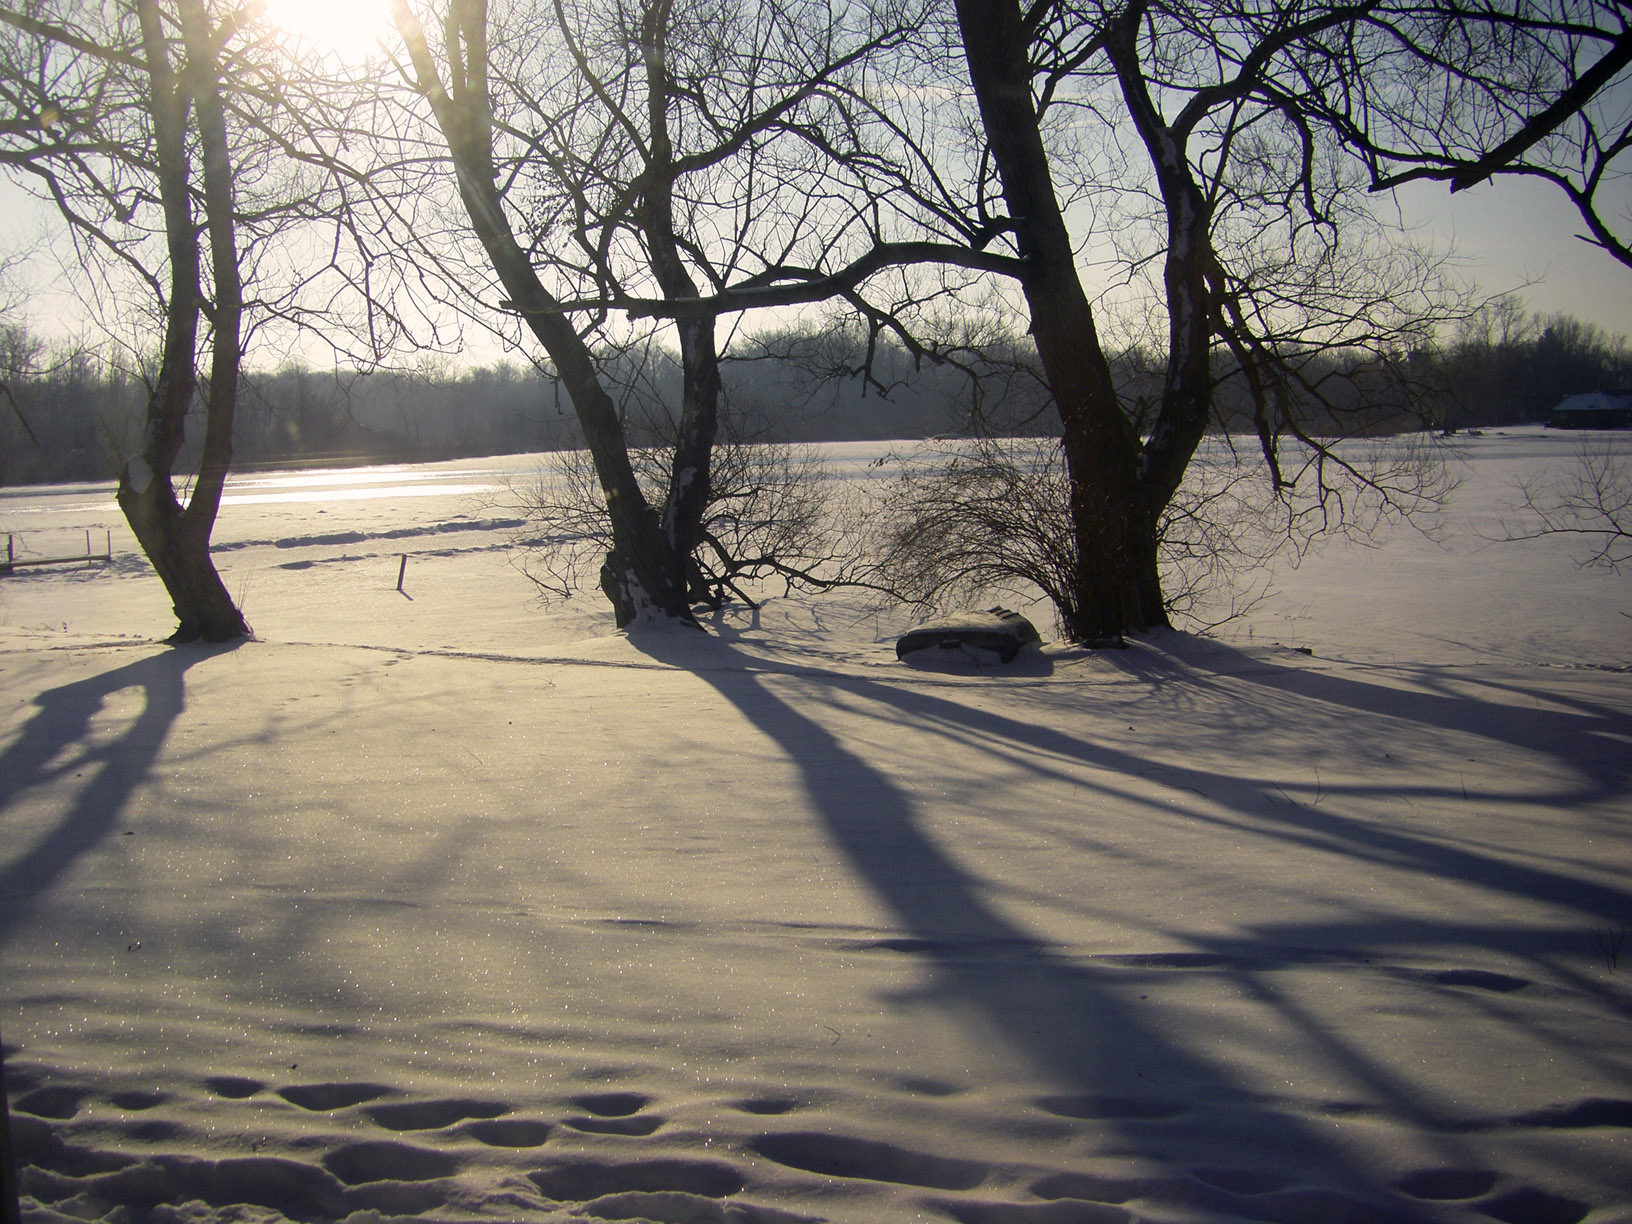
1595, 410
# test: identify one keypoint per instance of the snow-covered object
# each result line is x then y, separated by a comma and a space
976, 639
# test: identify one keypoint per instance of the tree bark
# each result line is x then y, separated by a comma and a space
1117, 586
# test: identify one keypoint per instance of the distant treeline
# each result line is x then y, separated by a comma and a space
66, 414
1508, 367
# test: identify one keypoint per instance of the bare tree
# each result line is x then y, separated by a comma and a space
642, 574
1238, 170
123, 113
645, 157
202, 177
1191, 138
772, 515
1590, 504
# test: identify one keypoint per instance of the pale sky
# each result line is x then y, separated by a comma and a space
1513, 235
1516, 231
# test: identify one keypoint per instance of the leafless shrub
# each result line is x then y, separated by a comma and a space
774, 516
965, 520
969, 520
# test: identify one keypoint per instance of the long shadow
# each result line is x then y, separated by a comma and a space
1590, 739
1167, 1102
111, 769
1591, 746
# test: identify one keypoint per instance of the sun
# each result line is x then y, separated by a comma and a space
347, 30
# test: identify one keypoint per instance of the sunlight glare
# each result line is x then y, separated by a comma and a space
349, 30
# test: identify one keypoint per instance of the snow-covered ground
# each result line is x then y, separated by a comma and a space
434, 904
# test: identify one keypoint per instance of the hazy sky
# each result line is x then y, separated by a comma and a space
1516, 231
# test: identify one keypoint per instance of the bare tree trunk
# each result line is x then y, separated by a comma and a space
639, 577
175, 540
690, 481
1117, 588
1187, 391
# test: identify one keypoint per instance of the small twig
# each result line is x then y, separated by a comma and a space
1609, 942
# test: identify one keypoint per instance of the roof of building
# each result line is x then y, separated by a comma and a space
1594, 401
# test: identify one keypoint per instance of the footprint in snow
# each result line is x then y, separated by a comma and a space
322, 1097
845, 1156
581, 1180
58, 1101
234, 1087
675, 1207
1090, 1187
634, 1127
1444, 1184
384, 1160
508, 1132
1527, 1205
767, 1105
138, 1100
614, 1113
1065, 1211
612, 1104
432, 1115
1242, 1181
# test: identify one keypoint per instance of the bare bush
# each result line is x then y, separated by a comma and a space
967, 521
983, 517
773, 516
974, 519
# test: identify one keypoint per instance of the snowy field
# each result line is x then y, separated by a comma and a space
438, 905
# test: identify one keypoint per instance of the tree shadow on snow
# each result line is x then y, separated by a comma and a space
1586, 738
101, 775
1074, 1022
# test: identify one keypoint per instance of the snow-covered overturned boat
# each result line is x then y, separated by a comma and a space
973, 639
